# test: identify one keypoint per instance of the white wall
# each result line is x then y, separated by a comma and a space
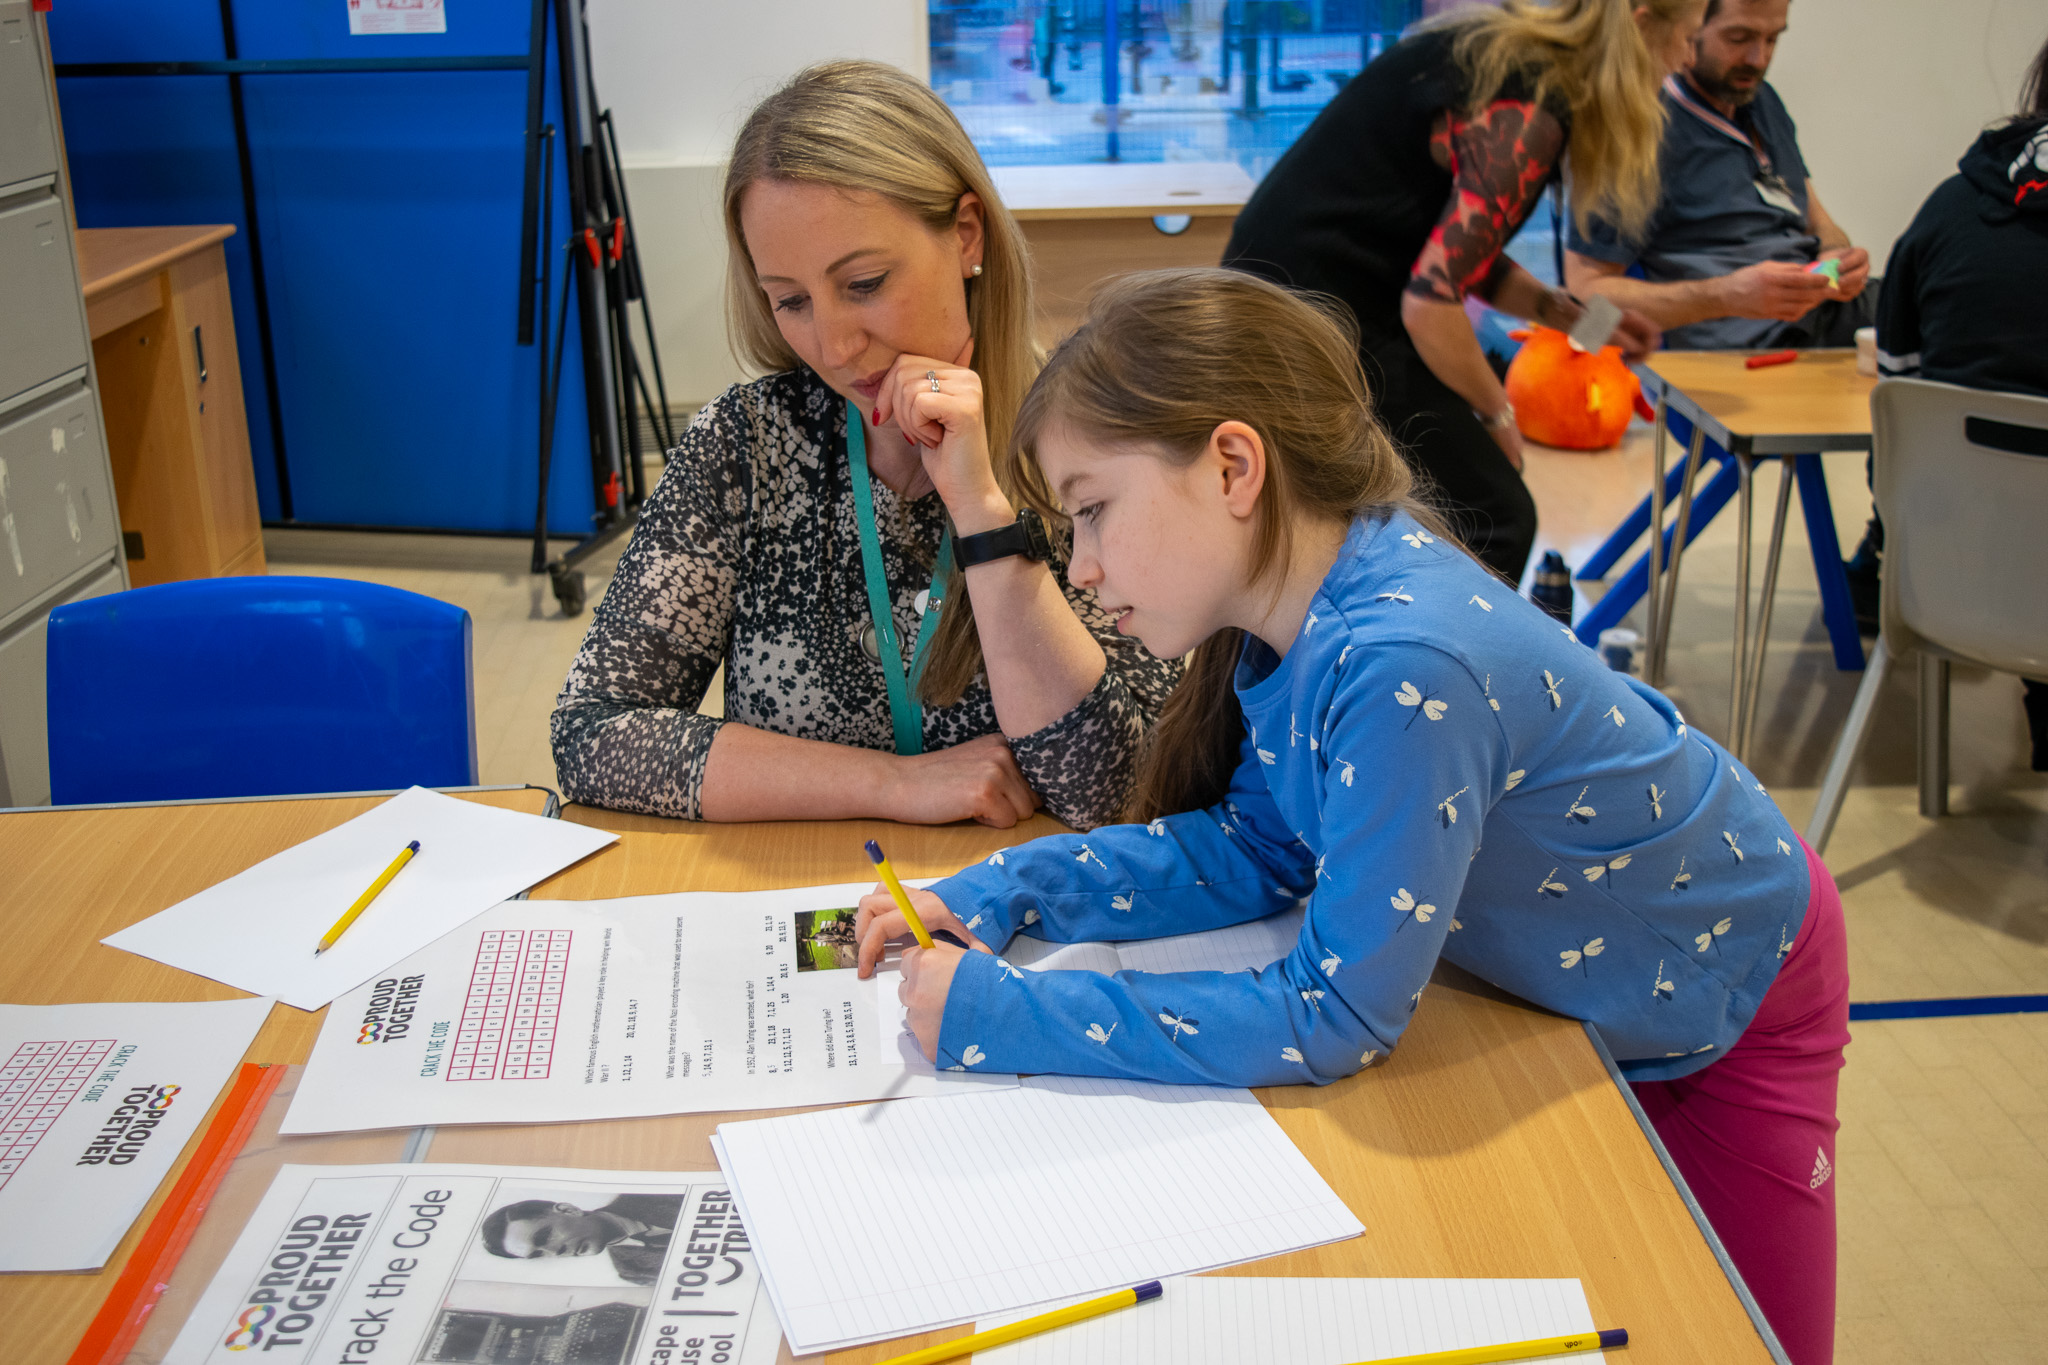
1889, 93
679, 76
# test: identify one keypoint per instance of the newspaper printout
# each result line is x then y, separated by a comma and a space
96, 1101
360, 1265
553, 1011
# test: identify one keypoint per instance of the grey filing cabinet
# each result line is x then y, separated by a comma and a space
60, 537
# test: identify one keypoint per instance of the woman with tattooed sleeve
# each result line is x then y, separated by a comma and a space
1398, 199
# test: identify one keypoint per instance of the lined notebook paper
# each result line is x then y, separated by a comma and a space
1227, 1320
877, 1221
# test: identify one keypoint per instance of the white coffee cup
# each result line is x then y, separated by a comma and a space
1866, 351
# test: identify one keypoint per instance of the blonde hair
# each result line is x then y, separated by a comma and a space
1165, 357
1591, 56
868, 127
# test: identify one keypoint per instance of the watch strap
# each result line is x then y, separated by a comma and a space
1025, 536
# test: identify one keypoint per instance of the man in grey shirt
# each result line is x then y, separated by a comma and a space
1726, 261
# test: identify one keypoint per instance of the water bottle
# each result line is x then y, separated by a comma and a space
1618, 648
1552, 589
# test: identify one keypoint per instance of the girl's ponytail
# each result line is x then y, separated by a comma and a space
1193, 750
1164, 358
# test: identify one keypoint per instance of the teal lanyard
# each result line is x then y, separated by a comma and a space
905, 712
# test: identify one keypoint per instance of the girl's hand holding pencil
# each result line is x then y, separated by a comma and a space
927, 980
927, 972
881, 922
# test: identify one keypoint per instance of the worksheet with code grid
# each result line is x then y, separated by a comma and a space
96, 1101
544, 1011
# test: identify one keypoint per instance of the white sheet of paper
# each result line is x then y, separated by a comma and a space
96, 1101
387, 1263
257, 930
1230, 1319
876, 1221
547, 1011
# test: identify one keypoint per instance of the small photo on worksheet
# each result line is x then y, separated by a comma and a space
563, 1235
825, 941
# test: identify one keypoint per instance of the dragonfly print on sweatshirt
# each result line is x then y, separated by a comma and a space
1542, 844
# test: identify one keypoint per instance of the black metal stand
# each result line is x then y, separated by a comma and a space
604, 262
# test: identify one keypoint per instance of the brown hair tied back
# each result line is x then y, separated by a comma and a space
1164, 358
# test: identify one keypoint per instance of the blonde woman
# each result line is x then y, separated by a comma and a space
898, 641
1398, 199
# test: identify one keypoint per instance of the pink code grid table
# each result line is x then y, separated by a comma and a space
507, 1031
35, 1085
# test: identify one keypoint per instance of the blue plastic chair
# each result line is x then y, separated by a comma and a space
258, 687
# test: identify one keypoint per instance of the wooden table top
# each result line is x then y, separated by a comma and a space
1492, 1144
111, 257
1200, 189
1817, 402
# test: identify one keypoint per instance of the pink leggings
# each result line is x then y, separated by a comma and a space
1754, 1134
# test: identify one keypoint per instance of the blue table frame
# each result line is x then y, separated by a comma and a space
1734, 454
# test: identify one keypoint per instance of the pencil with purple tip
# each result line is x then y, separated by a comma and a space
902, 897
1607, 1340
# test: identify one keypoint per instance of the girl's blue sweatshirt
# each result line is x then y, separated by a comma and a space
1440, 769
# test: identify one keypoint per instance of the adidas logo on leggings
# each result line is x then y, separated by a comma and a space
1821, 1169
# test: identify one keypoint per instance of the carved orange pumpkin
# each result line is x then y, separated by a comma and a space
1566, 397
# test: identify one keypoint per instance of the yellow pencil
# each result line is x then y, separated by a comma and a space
1605, 1339
363, 901
1044, 1322
902, 897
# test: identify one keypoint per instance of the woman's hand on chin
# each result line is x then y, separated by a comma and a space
947, 424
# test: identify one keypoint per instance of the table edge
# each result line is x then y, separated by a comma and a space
551, 810
1194, 208
203, 236
1692, 1205
1748, 445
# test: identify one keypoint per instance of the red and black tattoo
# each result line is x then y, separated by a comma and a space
1499, 162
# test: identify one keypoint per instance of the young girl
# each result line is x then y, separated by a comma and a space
1376, 724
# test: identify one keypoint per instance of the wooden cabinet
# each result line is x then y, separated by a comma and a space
163, 340
1088, 224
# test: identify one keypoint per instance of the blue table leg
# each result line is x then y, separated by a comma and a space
1706, 503
1836, 608
1609, 554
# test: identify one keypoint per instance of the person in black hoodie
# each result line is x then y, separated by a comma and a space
1965, 298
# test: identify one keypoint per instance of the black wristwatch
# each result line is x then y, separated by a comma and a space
1025, 536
